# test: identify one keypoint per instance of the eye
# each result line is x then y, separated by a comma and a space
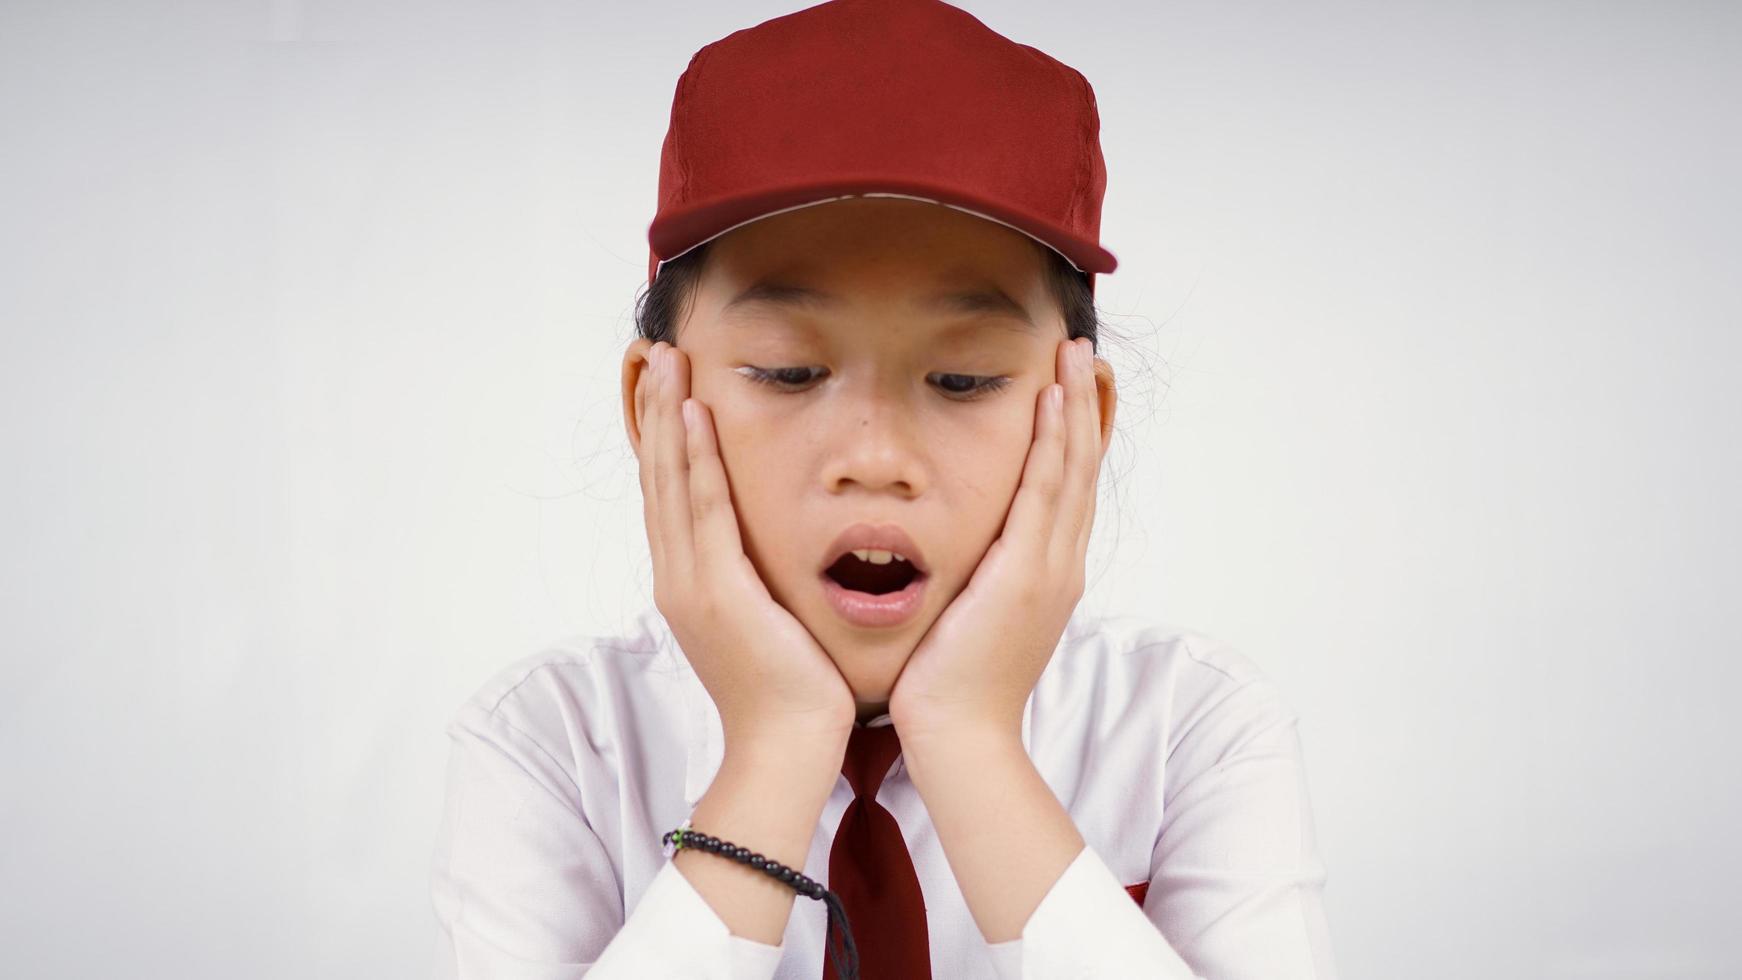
780, 378
961, 387
976, 385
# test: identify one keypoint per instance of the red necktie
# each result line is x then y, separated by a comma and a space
872, 873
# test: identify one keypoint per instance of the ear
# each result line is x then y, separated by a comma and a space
1107, 391
637, 383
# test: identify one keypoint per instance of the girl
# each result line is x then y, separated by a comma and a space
869, 423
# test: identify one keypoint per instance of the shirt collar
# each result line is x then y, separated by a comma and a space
705, 736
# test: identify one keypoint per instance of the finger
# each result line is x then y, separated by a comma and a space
714, 519
1094, 439
1078, 491
672, 460
647, 388
1032, 512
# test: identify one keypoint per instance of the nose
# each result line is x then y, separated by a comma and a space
876, 444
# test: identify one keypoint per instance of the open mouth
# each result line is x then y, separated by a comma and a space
880, 574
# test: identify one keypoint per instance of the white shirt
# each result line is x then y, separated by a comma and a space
1179, 762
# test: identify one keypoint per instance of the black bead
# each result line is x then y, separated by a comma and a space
787, 875
740, 854
757, 861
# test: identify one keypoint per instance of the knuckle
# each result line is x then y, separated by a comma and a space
704, 503
704, 500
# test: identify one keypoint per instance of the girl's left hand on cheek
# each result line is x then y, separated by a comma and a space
975, 668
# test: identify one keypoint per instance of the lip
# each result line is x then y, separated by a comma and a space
876, 611
862, 608
883, 537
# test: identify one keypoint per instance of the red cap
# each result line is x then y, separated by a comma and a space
908, 98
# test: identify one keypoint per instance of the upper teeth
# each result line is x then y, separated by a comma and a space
876, 557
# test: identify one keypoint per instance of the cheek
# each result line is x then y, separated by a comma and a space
764, 438
992, 469
980, 469
1001, 439
757, 457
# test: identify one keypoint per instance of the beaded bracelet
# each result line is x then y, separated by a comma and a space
843, 952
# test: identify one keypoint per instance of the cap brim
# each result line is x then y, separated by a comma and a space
673, 234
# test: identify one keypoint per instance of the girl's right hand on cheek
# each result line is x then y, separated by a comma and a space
768, 676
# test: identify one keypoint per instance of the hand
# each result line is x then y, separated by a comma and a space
770, 679
975, 668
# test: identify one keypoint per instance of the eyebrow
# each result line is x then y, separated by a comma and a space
985, 300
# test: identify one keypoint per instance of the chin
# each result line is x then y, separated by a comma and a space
860, 661
869, 666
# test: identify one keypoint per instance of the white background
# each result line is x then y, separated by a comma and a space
1427, 314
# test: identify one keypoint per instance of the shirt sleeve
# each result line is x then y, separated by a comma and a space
1087, 926
524, 888
1236, 878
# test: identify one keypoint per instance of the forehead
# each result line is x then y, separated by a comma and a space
854, 231
980, 297
830, 261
